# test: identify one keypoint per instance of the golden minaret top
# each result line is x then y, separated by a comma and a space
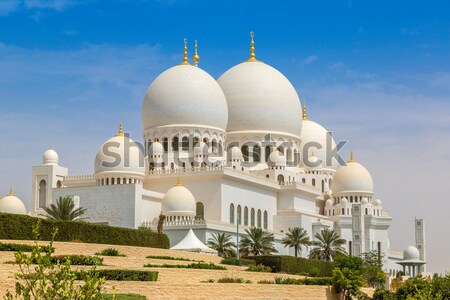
185, 54
252, 47
196, 57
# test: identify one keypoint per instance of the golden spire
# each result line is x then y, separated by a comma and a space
352, 159
304, 111
120, 130
252, 47
178, 181
11, 191
185, 54
196, 57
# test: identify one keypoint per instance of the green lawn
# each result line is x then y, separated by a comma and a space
125, 297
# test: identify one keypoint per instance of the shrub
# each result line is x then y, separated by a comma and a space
19, 227
78, 260
200, 265
123, 275
259, 268
303, 281
208, 281
124, 297
24, 248
110, 252
266, 282
296, 265
231, 261
168, 257
233, 280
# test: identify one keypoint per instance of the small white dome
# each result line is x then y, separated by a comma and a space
156, 148
201, 148
352, 177
12, 205
260, 99
328, 203
178, 201
365, 200
185, 95
277, 159
344, 200
411, 253
377, 202
120, 154
50, 157
235, 153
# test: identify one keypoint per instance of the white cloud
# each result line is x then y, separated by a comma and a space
8, 6
58, 5
310, 59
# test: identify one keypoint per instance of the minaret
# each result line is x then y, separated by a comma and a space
185, 54
304, 117
196, 57
252, 48
420, 241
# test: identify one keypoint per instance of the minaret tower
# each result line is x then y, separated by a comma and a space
420, 241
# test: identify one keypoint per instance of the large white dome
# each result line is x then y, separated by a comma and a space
352, 177
12, 205
185, 95
260, 98
120, 154
178, 201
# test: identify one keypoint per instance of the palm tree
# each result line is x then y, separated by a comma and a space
296, 237
64, 210
328, 245
257, 242
221, 242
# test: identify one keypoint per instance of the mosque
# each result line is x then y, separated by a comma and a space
226, 155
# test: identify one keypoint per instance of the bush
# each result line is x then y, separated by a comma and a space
19, 227
24, 248
231, 261
233, 280
259, 268
168, 257
110, 252
124, 297
122, 275
78, 260
303, 281
296, 265
204, 266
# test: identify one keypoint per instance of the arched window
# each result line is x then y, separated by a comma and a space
303, 180
166, 144
175, 144
323, 186
107, 181
246, 216
196, 141
265, 219
367, 211
290, 156
185, 143
245, 152
239, 220
42, 193
351, 199
259, 218
151, 166
59, 184
256, 153
280, 179
163, 166
214, 146
172, 166
343, 211
113, 180
314, 182
118, 180
200, 211
205, 140
252, 218
267, 151
231, 213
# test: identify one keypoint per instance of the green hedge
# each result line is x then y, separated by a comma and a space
297, 265
123, 275
19, 227
24, 248
204, 266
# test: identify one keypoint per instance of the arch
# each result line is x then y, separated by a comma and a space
238, 218
323, 186
367, 211
185, 143
351, 199
256, 153
42, 193
151, 166
267, 151
172, 166
280, 179
166, 144
303, 180
265, 219
252, 217
59, 184
314, 182
343, 211
118, 180
289, 155
195, 141
200, 211
205, 140
231, 213
245, 152
214, 146
267, 176
259, 218
175, 142
246, 216
113, 181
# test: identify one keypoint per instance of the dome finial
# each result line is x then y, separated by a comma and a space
185, 54
178, 181
11, 191
304, 111
120, 130
196, 57
252, 47
352, 159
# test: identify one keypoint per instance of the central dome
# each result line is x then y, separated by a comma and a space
260, 98
185, 95
352, 177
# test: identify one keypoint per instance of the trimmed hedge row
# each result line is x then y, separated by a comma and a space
304, 281
204, 266
24, 248
123, 275
297, 265
20, 227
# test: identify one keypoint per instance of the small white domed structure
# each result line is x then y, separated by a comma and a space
184, 95
277, 159
411, 261
411, 253
352, 177
50, 157
329, 203
156, 149
119, 160
364, 200
344, 201
178, 202
12, 205
377, 202
235, 154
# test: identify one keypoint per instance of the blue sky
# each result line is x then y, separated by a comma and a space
376, 73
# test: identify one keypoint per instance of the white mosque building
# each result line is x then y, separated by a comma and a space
239, 151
